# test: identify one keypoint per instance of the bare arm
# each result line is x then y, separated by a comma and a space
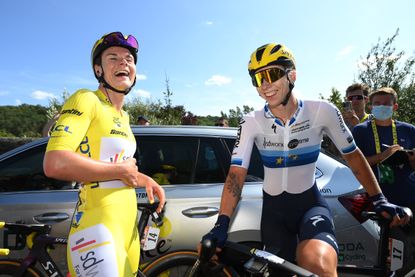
232, 190
361, 169
70, 166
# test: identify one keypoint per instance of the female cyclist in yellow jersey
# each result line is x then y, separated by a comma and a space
92, 143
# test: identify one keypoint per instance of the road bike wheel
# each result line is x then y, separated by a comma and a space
178, 264
9, 267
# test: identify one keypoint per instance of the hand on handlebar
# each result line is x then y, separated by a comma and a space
398, 214
219, 233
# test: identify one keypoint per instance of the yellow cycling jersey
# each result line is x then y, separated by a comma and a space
103, 238
91, 126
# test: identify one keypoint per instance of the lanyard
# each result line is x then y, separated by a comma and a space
376, 135
364, 118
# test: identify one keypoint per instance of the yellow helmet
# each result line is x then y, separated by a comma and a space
271, 54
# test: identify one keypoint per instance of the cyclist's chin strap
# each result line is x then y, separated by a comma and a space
101, 79
287, 97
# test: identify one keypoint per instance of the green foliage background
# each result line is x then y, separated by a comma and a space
382, 66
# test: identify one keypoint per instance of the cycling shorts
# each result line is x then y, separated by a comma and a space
103, 239
285, 223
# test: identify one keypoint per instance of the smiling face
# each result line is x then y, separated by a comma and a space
274, 93
118, 67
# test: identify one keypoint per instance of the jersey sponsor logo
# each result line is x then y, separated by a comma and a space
116, 132
62, 128
274, 128
238, 135
119, 157
341, 122
269, 143
84, 147
300, 127
93, 255
316, 219
72, 111
117, 121
295, 142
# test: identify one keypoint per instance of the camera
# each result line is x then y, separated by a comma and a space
347, 105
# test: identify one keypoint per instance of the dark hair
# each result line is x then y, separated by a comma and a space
142, 117
363, 87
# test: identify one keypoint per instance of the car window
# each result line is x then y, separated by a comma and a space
209, 168
24, 172
256, 168
168, 160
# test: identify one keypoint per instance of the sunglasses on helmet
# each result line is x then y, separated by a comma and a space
270, 75
117, 38
355, 97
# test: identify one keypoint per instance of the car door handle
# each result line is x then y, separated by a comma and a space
51, 217
198, 212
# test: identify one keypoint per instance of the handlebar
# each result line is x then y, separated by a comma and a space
236, 249
378, 217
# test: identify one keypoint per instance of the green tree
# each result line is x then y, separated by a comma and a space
155, 111
335, 97
384, 66
235, 115
22, 121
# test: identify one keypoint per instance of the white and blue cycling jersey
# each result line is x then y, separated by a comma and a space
289, 151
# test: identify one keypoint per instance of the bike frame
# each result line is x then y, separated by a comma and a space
381, 268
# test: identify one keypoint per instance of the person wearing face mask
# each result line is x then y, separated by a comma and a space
387, 145
92, 143
296, 222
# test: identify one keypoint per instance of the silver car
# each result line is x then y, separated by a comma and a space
191, 163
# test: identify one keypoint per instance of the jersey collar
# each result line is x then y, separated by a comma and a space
268, 114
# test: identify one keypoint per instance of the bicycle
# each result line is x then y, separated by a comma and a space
242, 260
37, 238
390, 252
232, 257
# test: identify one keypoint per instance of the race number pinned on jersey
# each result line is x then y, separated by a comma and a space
151, 236
396, 248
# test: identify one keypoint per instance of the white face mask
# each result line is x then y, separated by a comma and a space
382, 112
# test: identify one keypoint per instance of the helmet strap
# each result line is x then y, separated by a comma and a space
290, 89
102, 80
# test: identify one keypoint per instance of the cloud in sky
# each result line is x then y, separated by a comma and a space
3, 92
218, 80
142, 93
41, 95
345, 51
18, 102
141, 77
209, 22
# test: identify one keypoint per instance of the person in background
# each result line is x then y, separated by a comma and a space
189, 119
388, 146
357, 94
142, 120
296, 222
222, 122
92, 143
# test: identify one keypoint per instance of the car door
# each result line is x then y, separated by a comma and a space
192, 171
28, 196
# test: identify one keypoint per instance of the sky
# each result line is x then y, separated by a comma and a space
201, 46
